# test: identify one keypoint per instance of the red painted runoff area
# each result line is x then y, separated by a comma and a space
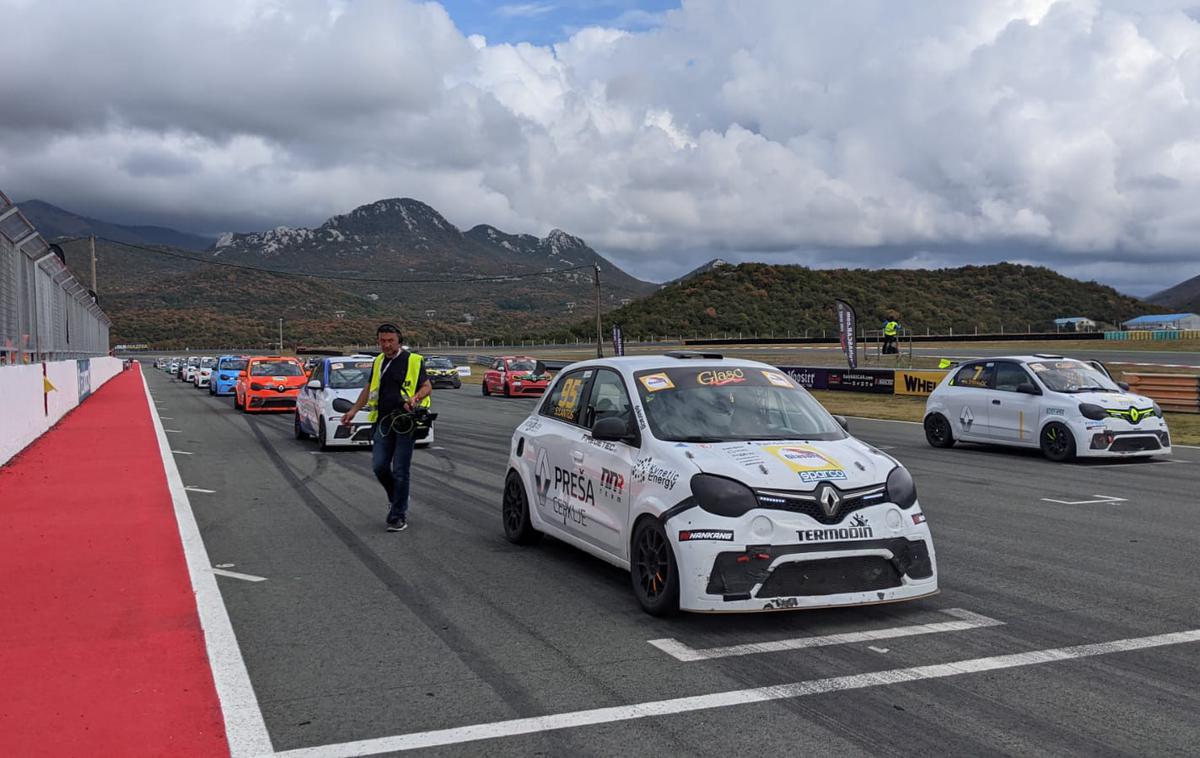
101, 648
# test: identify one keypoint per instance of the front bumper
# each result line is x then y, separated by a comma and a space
779, 560
442, 382
223, 388
524, 389
357, 434
1120, 439
202, 382
271, 400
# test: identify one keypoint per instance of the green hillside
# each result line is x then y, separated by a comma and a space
764, 299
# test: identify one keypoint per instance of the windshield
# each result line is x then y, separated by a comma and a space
349, 376
522, 365
208, 362
439, 363
233, 364
1072, 376
193, 361
722, 403
276, 368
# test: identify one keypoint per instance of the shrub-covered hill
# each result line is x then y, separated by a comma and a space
760, 298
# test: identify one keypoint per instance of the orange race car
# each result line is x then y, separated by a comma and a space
269, 383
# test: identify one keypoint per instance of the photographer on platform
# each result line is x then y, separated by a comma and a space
396, 398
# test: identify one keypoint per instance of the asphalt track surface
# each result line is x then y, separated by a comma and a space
359, 634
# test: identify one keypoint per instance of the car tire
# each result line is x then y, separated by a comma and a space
296, 428
938, 432
650, 557
518, 524
322, 436
1057, 442
486, 391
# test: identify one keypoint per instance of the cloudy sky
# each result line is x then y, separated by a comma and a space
843, 133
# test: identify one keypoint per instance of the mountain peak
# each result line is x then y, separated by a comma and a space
559, 240
404, 212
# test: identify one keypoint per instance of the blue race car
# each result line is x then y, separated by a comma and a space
225, 375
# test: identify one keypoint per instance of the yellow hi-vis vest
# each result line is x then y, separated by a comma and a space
409, 387
889, 329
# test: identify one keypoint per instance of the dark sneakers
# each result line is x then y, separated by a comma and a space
397, 526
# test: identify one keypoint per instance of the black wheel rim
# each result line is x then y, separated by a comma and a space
1055, 440
936, 429
653, 563
514, 506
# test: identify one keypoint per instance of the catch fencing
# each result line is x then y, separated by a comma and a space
46, 314
1154, 334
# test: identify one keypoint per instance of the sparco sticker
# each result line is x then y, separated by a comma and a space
656, 382
715, 535
809, 464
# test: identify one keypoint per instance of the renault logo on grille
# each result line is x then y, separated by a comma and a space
280, 387
830, 500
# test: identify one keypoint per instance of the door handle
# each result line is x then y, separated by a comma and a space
578, 456
995, 402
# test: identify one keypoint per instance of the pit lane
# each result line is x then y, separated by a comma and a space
359, 634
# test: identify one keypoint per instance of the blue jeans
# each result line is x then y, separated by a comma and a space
391, 460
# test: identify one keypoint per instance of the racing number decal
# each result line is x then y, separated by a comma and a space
568, 401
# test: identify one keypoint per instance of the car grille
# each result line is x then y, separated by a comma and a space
806, 502
1131, 444
272, 402
831, 576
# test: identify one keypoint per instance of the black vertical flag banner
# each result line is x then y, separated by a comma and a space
847, 326
618, 340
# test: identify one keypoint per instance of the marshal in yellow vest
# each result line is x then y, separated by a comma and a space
409, 387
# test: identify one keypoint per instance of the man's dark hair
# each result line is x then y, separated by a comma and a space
388, 329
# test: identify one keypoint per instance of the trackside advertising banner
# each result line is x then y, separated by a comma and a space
919, 383
618, 340
847, 323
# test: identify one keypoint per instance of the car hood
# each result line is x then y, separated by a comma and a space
792, 464
1116, 400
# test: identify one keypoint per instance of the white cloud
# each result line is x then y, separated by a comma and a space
524, 10
782, 130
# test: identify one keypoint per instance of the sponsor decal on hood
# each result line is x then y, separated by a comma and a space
810, 464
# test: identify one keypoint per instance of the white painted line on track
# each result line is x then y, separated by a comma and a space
1099, 499
245, 729
237, 575
880, 650
885, 420
966, 620
173, 431
574, 719
167, 418
181, 452
189, 488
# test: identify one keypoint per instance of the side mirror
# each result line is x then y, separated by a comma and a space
1123, 385
539, 368
842, 422
314, 384
611, 429
341, 405
1028, 388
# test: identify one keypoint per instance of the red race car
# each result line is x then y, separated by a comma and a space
269, 384
515, 376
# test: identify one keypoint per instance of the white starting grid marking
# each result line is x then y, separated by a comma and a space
966, 620
1099, 499
573, 719
238, 575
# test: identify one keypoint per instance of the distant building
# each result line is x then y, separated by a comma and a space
1164, 321
1074, 324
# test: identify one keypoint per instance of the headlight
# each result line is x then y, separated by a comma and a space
901, 489
722, 497
1093, 411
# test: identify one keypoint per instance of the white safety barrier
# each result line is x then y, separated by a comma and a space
28, 408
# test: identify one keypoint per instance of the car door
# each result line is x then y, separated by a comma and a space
608, 466
563, 495
969, 403
309, 400
1012, 415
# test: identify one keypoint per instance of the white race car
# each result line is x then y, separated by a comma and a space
188, 370
330, 380
203, 373
1066, 407
721, 485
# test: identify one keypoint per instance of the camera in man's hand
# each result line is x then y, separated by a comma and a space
423, 416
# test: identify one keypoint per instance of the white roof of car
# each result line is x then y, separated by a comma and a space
1024, 358
633, 363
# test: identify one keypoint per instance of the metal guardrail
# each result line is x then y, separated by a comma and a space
1174, 392
45, 313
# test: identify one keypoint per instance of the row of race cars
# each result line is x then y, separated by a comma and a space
722, 485
310, 390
